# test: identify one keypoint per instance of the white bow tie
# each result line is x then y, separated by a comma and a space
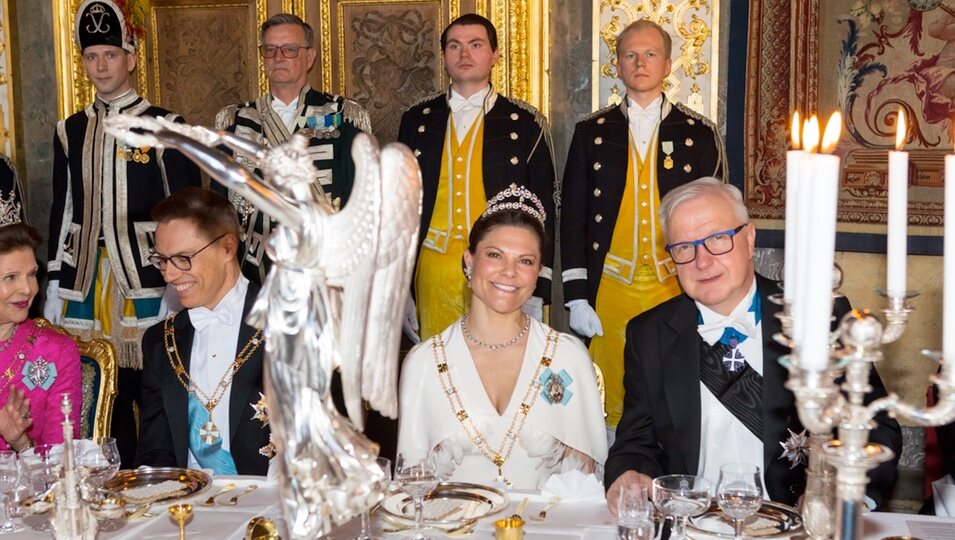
460, 104
647, 114
712, 332
202, 317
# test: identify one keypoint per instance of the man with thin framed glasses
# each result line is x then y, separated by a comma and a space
287, 46
703, 384
202, 404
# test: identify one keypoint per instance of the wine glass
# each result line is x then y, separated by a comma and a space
417, 478
681, 496
634, 514
9, 478
100, 463
739, 493
385, 465
42, 465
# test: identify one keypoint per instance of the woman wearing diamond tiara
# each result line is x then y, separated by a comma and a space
37, 365
499, 396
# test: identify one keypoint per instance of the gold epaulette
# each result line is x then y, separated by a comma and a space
226, 116
356, 114
599, 112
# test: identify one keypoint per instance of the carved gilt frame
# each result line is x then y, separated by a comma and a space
7, 133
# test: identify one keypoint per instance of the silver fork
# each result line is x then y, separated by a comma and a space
235, 499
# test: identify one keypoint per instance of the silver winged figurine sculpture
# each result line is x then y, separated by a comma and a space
333, 299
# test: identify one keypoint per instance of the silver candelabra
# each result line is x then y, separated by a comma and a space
842, 463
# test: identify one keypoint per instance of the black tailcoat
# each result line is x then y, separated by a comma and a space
164, 423
659, 432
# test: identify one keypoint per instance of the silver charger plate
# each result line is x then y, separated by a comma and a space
192, 481
773, 520
450, 503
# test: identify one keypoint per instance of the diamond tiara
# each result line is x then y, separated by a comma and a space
505, 200
9, 209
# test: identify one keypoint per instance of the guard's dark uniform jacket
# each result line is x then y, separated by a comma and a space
330, 122
10, 186
104, 187
596, 175
516, 150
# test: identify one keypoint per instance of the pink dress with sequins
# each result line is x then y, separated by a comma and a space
44, 364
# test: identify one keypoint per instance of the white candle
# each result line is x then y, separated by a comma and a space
948, 287
898, 213
794, 163
803, 233
817, 291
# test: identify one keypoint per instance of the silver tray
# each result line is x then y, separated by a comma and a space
193, 482
450, 503
773, 520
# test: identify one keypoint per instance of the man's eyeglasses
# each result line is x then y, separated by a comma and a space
288, 51
182, 262
717, 243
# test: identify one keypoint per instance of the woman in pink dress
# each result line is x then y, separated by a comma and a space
37, 365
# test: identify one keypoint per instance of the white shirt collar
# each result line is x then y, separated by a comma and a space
228, 311
459, 103
739, 313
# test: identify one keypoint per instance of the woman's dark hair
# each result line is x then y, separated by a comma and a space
19, 236
506, 217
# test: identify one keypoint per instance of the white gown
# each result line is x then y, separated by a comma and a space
427, 420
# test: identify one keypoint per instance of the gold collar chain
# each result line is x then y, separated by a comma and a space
500, 456
209, 431
20, 357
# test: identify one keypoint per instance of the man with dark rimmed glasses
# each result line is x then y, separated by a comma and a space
202, 403
287, 46
703, 385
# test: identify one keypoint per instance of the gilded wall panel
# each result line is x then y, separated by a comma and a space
192, 73
7, 145
694, 26
390, 59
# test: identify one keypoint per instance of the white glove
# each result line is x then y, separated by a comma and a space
583, 319
410, 322
534, 307
53, 308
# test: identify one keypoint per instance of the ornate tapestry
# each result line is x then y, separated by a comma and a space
868, 59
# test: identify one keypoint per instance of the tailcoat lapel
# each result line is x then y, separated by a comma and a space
250, 375
175, 397
680, 363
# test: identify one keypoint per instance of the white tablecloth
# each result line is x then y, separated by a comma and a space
567, 521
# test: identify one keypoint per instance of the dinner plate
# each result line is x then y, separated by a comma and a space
773, 520
448, 504
157, 485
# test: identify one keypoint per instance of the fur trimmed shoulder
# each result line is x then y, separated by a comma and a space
226, 116
599, 112
353, 112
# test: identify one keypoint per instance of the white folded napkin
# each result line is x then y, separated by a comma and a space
943, 490
574, 486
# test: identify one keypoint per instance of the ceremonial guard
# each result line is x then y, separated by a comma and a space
330, 122
203, 405
471, 143
101, 234
622, 159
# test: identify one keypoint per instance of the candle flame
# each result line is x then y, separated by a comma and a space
795, 130
831, 136
810, 134
900, 132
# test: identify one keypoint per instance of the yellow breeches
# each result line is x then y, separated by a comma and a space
441, 290
617, 303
